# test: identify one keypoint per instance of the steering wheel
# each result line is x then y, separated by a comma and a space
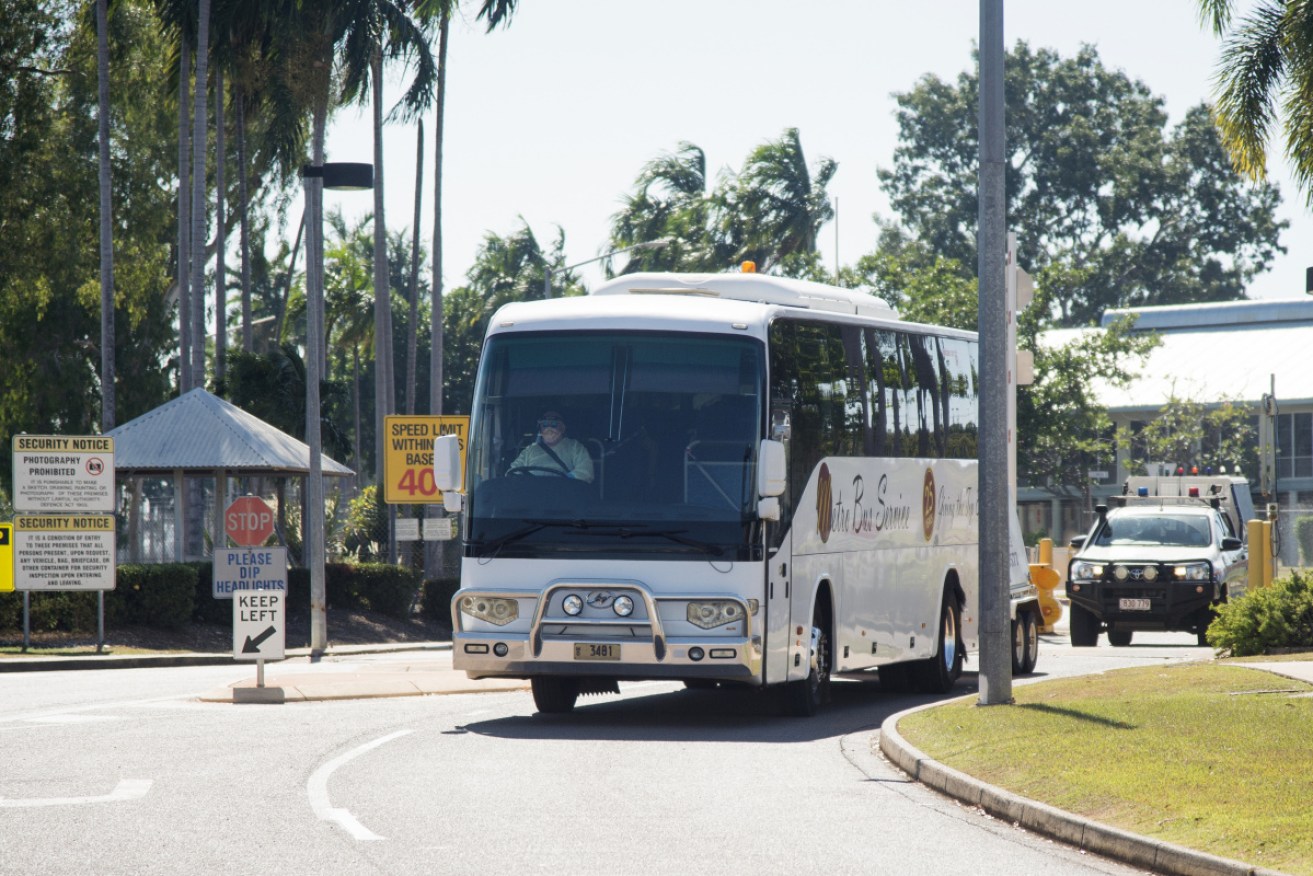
532, 469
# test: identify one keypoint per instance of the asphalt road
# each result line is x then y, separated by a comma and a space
126, 771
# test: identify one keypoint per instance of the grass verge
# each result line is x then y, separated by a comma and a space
1214, 757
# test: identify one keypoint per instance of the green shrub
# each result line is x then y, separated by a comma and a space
1304, 536
1280, 616
159, 595
435, 603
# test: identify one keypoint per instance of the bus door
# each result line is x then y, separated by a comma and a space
779, 572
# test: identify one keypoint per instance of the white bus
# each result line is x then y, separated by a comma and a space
783, 487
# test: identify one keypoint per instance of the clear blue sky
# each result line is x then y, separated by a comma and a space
553, 118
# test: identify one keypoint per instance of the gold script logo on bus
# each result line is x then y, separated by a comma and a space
824, 503
928, 504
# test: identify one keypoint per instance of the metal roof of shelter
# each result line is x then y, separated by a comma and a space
1214, 352
200, 431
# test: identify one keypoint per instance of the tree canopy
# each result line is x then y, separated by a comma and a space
1111, 206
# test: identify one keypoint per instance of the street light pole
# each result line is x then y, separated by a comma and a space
647, 244
317, 177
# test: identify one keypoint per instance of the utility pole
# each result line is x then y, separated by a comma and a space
995, 504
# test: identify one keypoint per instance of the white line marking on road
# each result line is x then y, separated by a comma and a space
317, 788
127, 789
71, 719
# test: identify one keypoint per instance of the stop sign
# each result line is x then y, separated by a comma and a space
248, 521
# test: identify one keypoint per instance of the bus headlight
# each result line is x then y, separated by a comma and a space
623, 606
573, 604
492, 609
1192, 572
714, 613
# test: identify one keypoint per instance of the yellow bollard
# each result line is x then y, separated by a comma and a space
1269, 560
1046, 581
1259, 551
1046, 552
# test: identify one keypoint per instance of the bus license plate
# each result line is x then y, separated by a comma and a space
596, 652
1134, 605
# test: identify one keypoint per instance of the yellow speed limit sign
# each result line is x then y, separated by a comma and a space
408, 456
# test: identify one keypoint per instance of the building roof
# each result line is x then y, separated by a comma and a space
198, 431
1232, 350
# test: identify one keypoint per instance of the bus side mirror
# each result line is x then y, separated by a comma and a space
771, 470
446, 470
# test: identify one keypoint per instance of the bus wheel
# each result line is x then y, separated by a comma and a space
1019, 644
939, 673
554, 696
700, 683
803, 698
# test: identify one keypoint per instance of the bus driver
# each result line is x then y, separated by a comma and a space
553, 452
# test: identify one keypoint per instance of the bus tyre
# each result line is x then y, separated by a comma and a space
554, 696
1118, 637
803, 698
700, 683
1031, 621
1084, 627
939, 673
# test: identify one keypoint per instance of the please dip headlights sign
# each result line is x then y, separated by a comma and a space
64, 473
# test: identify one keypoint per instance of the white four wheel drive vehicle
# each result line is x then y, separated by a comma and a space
1168, 552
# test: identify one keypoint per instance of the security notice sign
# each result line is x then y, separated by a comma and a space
64, 551
408, 456
63, 473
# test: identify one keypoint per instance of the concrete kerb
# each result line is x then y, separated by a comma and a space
110, 660
1032, 815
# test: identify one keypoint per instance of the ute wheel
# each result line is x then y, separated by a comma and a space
939, 673
1032, 643
803, 698
1084, 627
1201, 628
554, 696
1118, 637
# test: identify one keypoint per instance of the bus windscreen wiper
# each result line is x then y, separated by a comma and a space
525, 531
676, 535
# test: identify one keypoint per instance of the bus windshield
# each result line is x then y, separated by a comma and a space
621, 444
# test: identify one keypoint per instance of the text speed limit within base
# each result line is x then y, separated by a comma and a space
408, 456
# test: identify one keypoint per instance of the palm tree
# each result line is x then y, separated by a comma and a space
1266, 69
670, 200
106, 223
776, 206
495, 13
412, 325
198, 200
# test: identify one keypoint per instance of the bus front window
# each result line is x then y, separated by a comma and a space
651, 445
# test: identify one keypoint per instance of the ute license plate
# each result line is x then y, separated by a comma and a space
586, 651
1132, 605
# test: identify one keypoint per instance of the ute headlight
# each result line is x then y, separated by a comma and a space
1121, 573
573, 604
1083, 571
493, 609
623, 606
714, 613
1192, 572
1150, 573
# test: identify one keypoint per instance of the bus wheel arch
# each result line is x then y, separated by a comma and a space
802, 698
939, 672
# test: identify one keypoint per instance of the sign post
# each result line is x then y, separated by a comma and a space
256, 581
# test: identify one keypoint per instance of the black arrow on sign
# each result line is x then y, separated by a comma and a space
252, 646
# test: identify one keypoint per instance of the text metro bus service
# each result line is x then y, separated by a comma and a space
727, 479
